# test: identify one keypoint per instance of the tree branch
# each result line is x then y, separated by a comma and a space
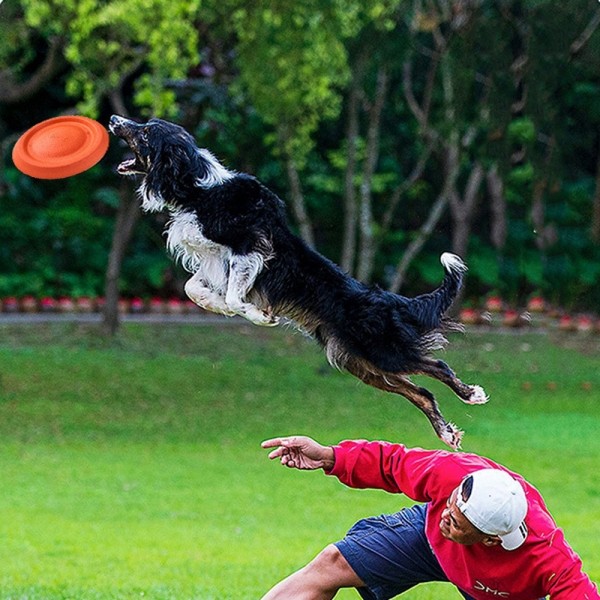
406, 185
413, 249
586, 34
12, 91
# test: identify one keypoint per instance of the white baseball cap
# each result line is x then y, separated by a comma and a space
496, 505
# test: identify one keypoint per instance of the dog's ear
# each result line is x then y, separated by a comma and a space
178, 159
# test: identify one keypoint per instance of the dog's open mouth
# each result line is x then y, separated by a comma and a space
128, 131
131, 166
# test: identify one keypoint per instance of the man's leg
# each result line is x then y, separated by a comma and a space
320, 579
391, 554
381, 557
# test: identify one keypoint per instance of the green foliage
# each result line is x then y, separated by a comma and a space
59, 242
484, 267
584, 97
294, 63
257, 80
109, 42
522, 176
521, 131
58, 245
17, 41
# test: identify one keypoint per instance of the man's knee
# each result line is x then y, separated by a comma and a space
330, 566
320, 579
330, 557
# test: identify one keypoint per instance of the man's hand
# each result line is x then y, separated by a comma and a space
301, 452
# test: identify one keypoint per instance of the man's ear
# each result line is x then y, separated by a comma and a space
492, 540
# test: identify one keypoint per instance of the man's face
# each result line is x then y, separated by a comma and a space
457, 528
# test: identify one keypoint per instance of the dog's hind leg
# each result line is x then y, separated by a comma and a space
438, 369
243, 270
422, 398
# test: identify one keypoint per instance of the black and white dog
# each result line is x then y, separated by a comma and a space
231, 233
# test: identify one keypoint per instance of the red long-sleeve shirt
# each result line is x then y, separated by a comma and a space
544, 565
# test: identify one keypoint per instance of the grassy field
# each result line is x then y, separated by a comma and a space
132, 468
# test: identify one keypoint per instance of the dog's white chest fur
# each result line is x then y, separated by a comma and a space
186, 242
221, 280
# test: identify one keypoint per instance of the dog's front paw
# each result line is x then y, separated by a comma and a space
258, 316
261, 317
223, 311
272, 321
209, 301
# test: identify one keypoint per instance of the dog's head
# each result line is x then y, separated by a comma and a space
154, 144
172, 164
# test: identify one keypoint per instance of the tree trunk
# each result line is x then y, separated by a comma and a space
463, 210
495, 187
413, 249
578, 45
431, 137
12, 92
520, 49
298, 205
352, 135
366, 257
544, 234
403, 187
128, 214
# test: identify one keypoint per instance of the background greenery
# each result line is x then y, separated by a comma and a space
395, 130
131, 467
363, 115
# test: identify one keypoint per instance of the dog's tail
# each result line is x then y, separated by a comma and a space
430, 308
455, 269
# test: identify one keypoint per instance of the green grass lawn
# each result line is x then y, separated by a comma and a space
132, 468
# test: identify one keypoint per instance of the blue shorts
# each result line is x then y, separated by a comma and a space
391, 554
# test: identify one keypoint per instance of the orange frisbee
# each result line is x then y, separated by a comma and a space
60, 147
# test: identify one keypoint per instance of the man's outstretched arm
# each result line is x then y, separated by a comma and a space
301, 452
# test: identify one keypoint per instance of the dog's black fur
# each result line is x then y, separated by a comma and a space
231, 233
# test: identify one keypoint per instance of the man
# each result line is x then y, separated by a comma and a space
481, 527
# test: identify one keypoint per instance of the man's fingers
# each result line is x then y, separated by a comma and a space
294, 440
281, 447
271, 443
277, 453
288, 449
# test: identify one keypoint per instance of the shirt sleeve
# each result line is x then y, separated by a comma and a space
393, 468
573, 583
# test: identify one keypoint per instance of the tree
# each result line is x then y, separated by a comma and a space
21, 75
17, 82
294, 63
402, 127
111, 45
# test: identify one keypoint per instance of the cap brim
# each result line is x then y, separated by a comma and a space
514, 539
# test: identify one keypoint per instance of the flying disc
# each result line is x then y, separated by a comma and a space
60, 147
